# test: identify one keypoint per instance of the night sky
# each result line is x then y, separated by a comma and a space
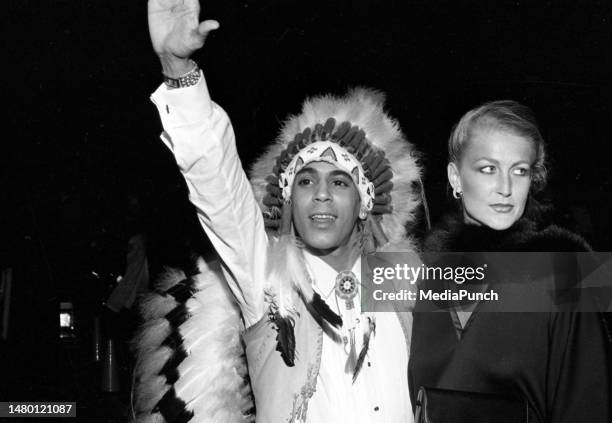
82, 132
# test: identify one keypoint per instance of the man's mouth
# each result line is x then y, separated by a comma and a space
322, 218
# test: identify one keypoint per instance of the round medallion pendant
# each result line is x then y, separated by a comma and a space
347, 285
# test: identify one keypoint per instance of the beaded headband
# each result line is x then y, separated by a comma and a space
332, 153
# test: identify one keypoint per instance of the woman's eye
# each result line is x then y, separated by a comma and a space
304, 181
487, 169
521, 171
340, 183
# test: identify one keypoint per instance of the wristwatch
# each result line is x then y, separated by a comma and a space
187, 80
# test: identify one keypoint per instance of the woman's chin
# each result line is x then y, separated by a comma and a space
498, 221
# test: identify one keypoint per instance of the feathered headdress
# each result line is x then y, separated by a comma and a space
359, 125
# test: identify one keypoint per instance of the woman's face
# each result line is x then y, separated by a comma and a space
493, 176
326, 207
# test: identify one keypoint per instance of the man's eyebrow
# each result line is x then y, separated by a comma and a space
338, 172
333, 173
306, 169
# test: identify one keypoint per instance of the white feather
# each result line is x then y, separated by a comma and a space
288, 273
212, 376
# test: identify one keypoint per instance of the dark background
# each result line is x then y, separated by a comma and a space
80, 132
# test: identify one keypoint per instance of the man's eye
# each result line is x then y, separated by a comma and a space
487, 169
304, 181
521, 171
340, 183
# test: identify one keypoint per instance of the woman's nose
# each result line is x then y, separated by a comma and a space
504, 185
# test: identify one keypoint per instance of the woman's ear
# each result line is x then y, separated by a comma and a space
454, 179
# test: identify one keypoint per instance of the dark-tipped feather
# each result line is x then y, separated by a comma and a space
324, 316
364, 350
323, 309
285, 338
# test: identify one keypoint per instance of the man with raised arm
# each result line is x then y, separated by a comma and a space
338, 182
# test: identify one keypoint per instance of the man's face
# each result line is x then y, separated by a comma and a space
326, 207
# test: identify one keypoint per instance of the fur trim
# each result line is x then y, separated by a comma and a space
364, 108
525, 235
211, 379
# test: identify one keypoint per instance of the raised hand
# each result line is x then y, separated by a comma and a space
176, 32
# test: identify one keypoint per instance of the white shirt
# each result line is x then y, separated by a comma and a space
380, 393
199, 134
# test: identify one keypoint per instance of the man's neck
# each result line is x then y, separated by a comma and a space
341, 263
341, 258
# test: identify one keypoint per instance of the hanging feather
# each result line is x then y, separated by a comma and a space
370, 330
285, 338
324, 316
351, 361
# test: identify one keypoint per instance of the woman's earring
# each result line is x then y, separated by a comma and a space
456, 193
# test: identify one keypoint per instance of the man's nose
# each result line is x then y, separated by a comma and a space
322, 192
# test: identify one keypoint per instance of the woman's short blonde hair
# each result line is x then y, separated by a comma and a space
505, 115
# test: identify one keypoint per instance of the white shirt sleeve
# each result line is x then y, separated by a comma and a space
200, 135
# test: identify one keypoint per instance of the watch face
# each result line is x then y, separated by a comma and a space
189, 79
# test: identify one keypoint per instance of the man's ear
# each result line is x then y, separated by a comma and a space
454, 179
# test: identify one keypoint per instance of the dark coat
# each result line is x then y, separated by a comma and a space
557, 361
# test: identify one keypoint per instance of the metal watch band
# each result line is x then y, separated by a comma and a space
187, 80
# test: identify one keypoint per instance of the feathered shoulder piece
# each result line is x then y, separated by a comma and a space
190, 364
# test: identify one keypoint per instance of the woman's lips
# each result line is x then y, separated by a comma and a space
502, 208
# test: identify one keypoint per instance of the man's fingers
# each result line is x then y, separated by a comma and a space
205, 27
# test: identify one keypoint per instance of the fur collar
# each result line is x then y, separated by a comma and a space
452, 234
